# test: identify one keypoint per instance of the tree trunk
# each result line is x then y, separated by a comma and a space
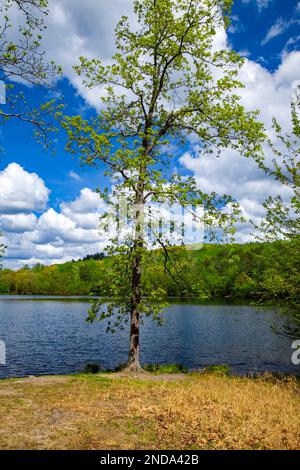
136, 293
134, 348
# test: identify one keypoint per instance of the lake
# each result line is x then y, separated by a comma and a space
51, 336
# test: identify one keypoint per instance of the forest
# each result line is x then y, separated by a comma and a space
267, 272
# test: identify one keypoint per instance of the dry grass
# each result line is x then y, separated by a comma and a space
203, 411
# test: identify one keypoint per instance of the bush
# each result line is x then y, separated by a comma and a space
92, 368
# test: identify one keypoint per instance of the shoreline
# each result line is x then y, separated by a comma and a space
172, 300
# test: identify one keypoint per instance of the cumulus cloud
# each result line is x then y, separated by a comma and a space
269, 92
54, 236
57, 228
84, 210
21, 191
18, 223
241, 178
85, 29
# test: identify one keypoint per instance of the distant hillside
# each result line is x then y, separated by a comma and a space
249, 271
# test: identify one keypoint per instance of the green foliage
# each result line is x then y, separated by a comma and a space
222, 369
268, 272
166, 368
244, 286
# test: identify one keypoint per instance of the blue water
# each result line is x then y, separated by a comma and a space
52, 337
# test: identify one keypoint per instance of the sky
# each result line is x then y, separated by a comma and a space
49, 210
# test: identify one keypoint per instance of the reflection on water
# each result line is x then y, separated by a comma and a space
52, 337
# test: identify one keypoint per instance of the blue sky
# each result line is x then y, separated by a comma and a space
266, 32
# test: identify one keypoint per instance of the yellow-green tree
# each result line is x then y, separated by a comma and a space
166, 83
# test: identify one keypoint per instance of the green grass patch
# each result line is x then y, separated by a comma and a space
166, 368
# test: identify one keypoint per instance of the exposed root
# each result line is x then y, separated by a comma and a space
133, 368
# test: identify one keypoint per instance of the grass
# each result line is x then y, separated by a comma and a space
150, 411
221, 369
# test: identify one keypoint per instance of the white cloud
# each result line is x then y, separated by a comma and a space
73, 175
88, 201
85, 210
282, 25
278, 28
87, 29
76, 28
18, 223
21, 191
56, 228
261, 4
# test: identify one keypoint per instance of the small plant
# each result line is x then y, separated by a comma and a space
92, 368
221, 369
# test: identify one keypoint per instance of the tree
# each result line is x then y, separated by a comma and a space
282, 218
166, 83
22, 59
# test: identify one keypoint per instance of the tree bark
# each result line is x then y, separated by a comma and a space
134, 345
136, 296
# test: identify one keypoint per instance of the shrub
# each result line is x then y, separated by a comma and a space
92, 368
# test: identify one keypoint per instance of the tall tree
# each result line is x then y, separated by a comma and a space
166, 83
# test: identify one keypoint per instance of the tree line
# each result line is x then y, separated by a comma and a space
255, 271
